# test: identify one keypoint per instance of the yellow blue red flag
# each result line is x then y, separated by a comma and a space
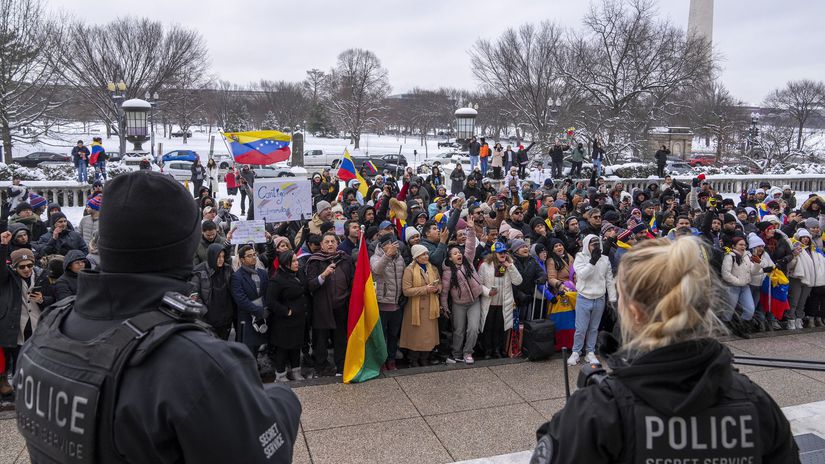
347, 172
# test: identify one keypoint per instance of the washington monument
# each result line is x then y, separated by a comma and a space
700, 19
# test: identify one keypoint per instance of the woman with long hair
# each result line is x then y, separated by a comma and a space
498, 275
462, 288
288, 303
212, 177
671, 394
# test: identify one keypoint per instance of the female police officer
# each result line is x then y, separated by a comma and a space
671, 395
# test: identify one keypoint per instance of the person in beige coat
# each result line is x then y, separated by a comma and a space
421, 284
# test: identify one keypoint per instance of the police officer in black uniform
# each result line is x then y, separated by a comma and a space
670, 395
127, 372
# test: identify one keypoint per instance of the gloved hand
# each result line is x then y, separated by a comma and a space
595, 255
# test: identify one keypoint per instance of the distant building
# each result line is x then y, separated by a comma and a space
677, 139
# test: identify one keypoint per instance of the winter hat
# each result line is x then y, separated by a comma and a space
754, 241
728, 201
322, 205
802, 233
607, 227
127, 245
537, 249
760, 190
624, 235
637, 228
786, 187
55, 267
516, 244
410, 233
750, 210
94, 202
55, 217
25, 206
765, 225
37, 201
418, 250
648, 204
728, 218
22, 254
560, 204
772, 219
811, 222
536, 221
611, 216
386, 238
514, 208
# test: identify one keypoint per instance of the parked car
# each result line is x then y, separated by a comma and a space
180, 134
393, 163
179, 169
179, 155
114, 156
319, 158
279, 170
32, 160
132, 162
449, 157
702, 160
677, 167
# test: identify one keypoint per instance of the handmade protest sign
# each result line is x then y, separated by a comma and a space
285, 199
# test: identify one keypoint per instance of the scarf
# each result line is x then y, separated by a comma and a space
418, 281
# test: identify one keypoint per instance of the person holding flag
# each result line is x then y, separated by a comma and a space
348, 173
98, 158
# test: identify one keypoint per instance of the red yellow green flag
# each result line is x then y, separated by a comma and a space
366, 348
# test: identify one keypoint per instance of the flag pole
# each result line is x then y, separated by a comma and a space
223, 137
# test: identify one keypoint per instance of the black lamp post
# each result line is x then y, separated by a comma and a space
118, 91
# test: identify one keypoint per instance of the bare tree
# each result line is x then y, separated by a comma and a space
285, 100
184, 100
715, 114
799, 100
29, 41
522, 68
314, 83
141, 53
628, 64
355, 90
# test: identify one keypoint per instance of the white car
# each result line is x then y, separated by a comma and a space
179, 170
279, 170
449, 157
319, 158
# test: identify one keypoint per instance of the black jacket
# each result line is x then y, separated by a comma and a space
213, 287
286, 292
66, 241
66, 285
168, 422
11, 298
684, 380
531, 275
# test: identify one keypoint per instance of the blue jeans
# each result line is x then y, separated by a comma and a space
82, 174
484, 166
741, 295
597, 166
473, 162
588, 316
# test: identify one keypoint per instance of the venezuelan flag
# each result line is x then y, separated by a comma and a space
366, 348
347, 172
563, 315
773, 295
258, 147
763, 210
95, 153
654, 226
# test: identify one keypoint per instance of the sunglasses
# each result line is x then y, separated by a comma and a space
24, 266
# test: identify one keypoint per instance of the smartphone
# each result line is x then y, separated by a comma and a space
35, 289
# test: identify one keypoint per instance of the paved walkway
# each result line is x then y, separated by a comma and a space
444, 414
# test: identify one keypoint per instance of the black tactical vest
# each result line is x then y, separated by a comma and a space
726, 433
67, 389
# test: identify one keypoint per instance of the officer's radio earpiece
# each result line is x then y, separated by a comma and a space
180, 307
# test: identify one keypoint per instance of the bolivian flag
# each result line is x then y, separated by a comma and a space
366, 348
258, 147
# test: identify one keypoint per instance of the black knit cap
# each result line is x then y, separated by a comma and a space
150, 224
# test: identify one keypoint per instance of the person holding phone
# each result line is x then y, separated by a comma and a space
24, 284
498, 275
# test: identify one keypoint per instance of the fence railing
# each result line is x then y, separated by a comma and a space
71, 193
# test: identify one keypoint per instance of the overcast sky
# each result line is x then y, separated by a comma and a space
425, 43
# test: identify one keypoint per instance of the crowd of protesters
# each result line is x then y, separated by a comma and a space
457, 264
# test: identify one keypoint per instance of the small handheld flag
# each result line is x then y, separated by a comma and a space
347, 172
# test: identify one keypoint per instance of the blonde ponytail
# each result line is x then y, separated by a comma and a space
670, 283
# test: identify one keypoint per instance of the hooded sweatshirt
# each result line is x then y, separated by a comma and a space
66, 285
593, 281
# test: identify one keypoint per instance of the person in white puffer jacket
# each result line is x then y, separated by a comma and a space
736, 274
762, 266
806, 271
594, 279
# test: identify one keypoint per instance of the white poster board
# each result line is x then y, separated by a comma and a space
283, 199
249, 231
